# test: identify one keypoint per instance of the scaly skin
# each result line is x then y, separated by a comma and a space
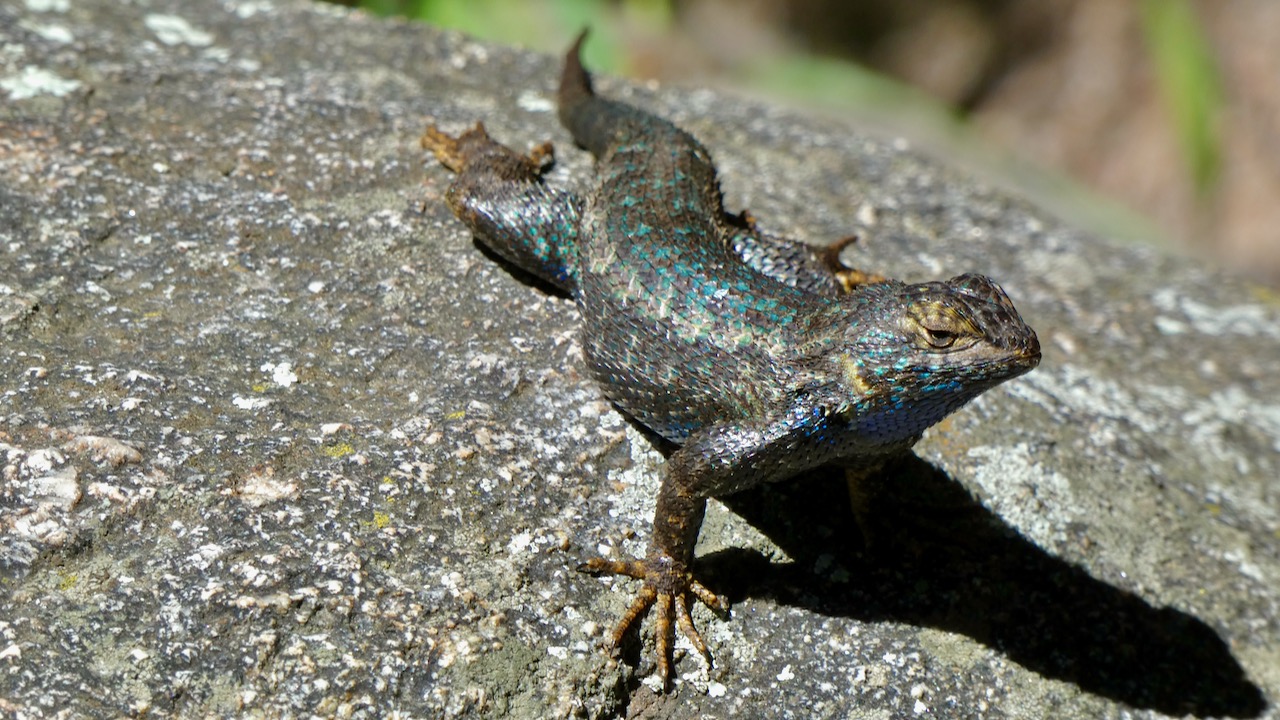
758, 356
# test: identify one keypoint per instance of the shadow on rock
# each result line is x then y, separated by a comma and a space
942, 560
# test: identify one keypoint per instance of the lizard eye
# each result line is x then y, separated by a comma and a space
937, 326
939, 338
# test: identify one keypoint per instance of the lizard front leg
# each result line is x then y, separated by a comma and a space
668, 580
817, 269
719, 461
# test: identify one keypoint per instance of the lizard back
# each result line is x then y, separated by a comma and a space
674, 321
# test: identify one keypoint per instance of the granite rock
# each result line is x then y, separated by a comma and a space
277, 440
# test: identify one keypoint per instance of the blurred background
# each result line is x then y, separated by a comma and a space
1150, 119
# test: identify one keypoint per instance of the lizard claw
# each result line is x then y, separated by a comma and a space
666, 589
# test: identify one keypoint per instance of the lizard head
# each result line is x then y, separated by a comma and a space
928, 349
966, 328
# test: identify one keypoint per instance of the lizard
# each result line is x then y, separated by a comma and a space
757, 357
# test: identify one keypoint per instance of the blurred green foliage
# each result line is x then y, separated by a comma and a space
545, 25
1189, 82
548, 25
1179, 51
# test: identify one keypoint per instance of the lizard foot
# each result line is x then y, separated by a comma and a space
667, 586
848, 277
447, 148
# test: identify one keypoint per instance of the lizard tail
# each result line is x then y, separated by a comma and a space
575, 82
590, 119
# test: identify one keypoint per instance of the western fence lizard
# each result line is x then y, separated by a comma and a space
757, 356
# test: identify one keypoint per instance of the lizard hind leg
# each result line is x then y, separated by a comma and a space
499, 194
445, 147
474, 149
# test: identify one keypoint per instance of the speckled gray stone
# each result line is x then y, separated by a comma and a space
277, 440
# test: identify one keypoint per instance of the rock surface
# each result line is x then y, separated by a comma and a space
276, 439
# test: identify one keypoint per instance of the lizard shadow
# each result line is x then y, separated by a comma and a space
942, 560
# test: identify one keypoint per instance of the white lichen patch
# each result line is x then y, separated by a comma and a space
45, 487
261, 486
1071, 389
535, 102
53, 33
282, 374
173, 30
520, 542
1209, 417
245, 10
33, 81
250, 403
58, 487
103, 449
1248, 320
42, 488
49, 5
